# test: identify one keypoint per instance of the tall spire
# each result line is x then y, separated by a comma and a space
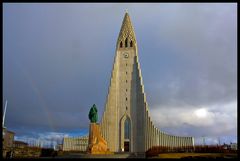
127, 30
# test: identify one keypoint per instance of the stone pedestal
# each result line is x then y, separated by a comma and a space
96, 144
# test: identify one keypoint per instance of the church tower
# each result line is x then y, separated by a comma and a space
126, 124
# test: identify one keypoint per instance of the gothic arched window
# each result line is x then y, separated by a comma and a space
127, 129
126, 42
131, 44
121, 44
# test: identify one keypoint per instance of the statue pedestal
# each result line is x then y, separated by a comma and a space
96, 143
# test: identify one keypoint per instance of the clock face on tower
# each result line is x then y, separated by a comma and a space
125, 55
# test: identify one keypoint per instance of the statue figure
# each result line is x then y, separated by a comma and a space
93, 116
96, 143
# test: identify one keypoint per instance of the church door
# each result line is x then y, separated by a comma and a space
126, 135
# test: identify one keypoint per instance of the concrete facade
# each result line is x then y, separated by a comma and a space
75, 144
126, 104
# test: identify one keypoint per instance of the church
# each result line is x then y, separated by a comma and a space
126, 124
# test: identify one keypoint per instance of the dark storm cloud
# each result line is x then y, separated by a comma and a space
58, 61
52, 60
197, 60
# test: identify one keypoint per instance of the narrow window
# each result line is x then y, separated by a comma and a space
126, 81
126, 64
126, 107
121, 44
126, 90
126, 73
126, 98
127, 129
131, 44
126, 42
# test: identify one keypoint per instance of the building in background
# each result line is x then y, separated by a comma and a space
8, 138
19, 144
7, 142
59, 147
233, 146
75, 144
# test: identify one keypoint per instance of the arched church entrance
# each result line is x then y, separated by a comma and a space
127, 135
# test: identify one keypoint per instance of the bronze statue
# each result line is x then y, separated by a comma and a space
93, 116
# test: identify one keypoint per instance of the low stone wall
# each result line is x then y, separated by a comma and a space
24, 152
27, 152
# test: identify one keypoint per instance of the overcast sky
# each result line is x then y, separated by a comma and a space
57, 62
